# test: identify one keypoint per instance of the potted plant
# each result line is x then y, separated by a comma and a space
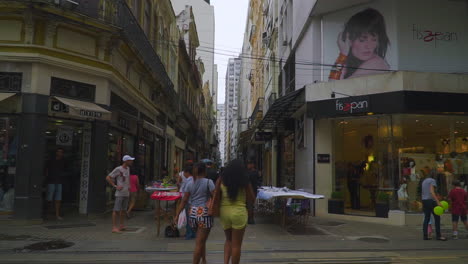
382, 205
336, 203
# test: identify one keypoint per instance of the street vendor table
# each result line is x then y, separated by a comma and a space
269, 193
163, 194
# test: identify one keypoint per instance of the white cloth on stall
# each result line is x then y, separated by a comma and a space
267, 193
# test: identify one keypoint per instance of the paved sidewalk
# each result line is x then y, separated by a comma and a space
324, 239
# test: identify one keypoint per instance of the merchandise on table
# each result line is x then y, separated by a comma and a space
267, 193
166, 196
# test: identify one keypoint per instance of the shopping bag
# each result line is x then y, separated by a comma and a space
182, 222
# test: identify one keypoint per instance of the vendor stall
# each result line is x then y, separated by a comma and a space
163, 193
293, 206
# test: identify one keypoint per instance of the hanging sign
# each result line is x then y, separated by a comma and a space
64, 136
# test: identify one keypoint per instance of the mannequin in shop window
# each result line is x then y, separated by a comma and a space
403, 194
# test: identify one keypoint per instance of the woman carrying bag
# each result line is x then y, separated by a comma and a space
197, 195
232, 194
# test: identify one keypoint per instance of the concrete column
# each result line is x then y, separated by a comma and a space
98, 168
30, 157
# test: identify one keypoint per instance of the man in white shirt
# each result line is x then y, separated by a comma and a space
119, 178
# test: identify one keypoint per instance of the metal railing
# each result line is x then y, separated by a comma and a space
117, 13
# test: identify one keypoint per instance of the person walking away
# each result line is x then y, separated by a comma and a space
236, 193
134, 189
188, 181
254, 178
199, 192
56, 170
211, 172
430, 200
119, 178
458, 197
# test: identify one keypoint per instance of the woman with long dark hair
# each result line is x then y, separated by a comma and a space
198, 192
363, 46
235, 193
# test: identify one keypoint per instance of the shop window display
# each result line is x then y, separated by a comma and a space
426, 143
393, 154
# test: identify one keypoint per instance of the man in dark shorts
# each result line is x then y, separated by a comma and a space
458, 196
56, 170
254, 178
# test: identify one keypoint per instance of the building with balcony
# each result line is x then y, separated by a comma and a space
97, 79
205, 19
370, 121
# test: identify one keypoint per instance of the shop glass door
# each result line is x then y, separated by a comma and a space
67, 135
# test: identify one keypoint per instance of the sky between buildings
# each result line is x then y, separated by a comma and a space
230, 18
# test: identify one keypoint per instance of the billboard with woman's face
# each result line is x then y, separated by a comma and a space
358, 41
387, 35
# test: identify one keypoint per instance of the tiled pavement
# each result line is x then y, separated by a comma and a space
262, 241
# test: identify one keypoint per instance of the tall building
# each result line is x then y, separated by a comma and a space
231, 106
221, 119
205, 21
387, 116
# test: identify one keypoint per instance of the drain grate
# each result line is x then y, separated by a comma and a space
69, 226
44, 246
306, 231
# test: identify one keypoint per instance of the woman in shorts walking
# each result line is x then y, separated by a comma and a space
197, 194
236, 193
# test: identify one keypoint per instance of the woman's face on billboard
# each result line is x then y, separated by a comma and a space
364, 46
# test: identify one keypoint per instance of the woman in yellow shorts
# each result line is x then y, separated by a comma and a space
235, 193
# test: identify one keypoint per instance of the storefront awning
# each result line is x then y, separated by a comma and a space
282, 109
4, 96
85, 109
153, 128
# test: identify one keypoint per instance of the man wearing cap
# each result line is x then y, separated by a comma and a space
119, 178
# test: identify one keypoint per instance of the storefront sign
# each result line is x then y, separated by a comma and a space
64, 136
84, 181
352, 105
263, 136
56, 106
78, 108
92, 114
323, 158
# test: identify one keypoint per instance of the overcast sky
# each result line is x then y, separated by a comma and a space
230, 26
